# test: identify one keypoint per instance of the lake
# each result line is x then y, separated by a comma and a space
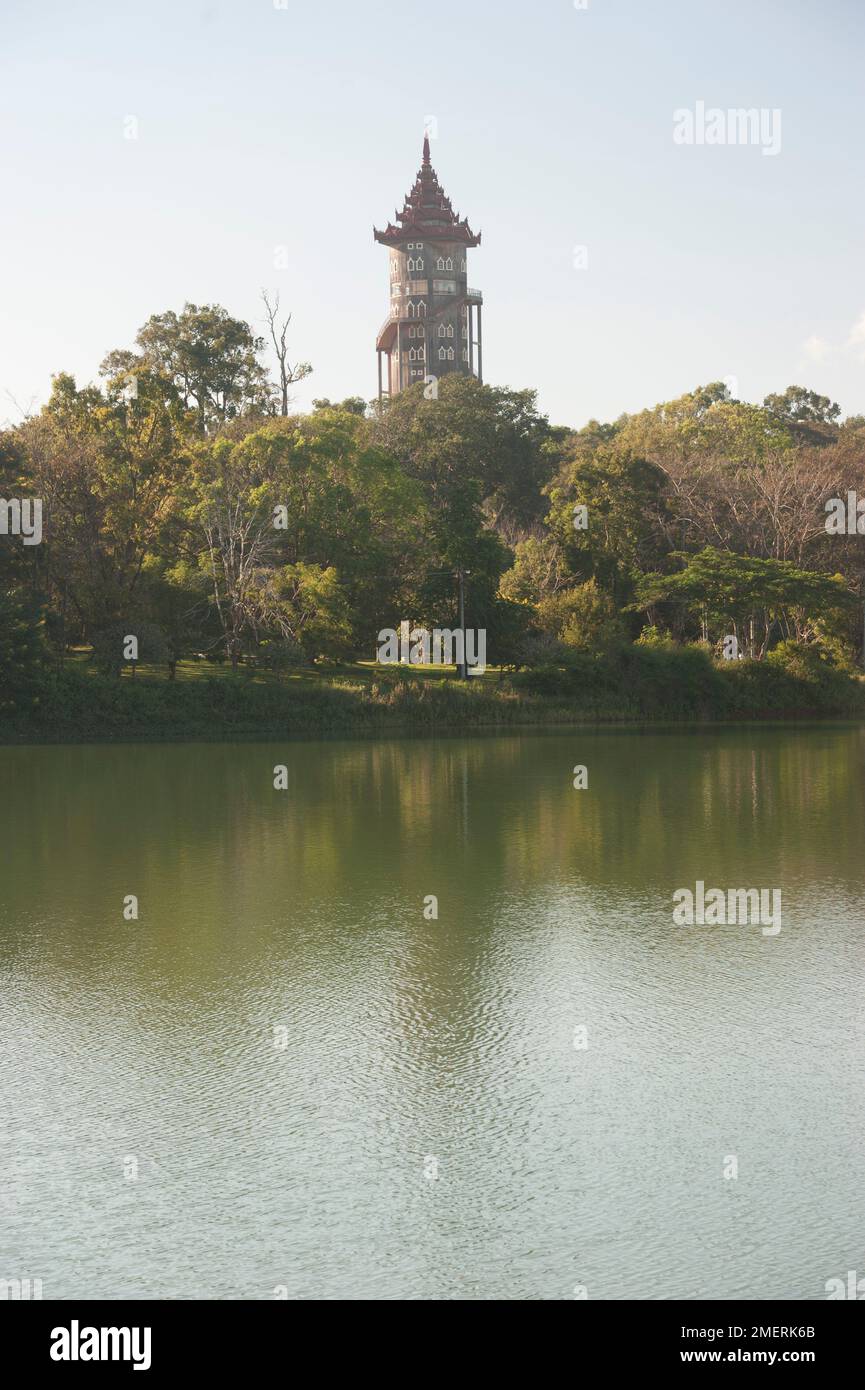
295, 1075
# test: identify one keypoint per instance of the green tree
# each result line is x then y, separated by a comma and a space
607, 514
311, 610
753, 599
538, 571
210, 357
22, 654
472, 444
107, 466
584, 618
352, 405
799, 405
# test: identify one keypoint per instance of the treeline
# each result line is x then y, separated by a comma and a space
184, 503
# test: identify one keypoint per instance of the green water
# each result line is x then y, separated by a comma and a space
284, 1077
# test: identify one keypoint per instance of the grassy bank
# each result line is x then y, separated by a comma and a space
634, 684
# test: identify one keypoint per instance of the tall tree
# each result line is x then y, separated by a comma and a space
288, 374
107, 467
753, 599
211, 358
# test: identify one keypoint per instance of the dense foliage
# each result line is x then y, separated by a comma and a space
184, 505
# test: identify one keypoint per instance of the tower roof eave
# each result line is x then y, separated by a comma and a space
428, 212
393, 236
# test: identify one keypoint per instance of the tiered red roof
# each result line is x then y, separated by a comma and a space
428, 213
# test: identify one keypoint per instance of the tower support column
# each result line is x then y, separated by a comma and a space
399, 357
480, 345
471, 332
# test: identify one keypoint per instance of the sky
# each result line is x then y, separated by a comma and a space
204, 150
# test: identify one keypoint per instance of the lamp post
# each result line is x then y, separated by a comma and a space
462, 668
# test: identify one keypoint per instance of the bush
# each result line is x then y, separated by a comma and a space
655, 637
108, 645
584, 618
282, 656
795, 680
22, 656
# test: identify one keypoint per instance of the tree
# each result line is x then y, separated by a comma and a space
607, 514
311, 610
312, 493
108, 646
538, 571
22, 654
288, 374
107, 467
584, 618
749, 598
704, 423
473, 438
234, 516
210, 357
352, 405
799, 405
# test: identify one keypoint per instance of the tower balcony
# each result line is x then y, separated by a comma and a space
384, 338
399, 314
411, 287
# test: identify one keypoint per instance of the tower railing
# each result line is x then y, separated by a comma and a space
391, 318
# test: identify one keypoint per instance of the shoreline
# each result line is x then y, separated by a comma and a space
637, 689
408, 729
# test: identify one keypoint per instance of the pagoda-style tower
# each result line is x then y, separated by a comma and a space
434, 325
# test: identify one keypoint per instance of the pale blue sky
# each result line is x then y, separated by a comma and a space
301, 127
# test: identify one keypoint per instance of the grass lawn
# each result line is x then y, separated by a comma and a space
333, 673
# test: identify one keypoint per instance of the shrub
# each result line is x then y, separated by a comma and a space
22, 656
584, 618
655, 637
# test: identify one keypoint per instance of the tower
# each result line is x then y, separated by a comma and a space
434, 325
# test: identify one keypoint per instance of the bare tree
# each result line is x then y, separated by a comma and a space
773, 507
240, 545
25, 411
288, 374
